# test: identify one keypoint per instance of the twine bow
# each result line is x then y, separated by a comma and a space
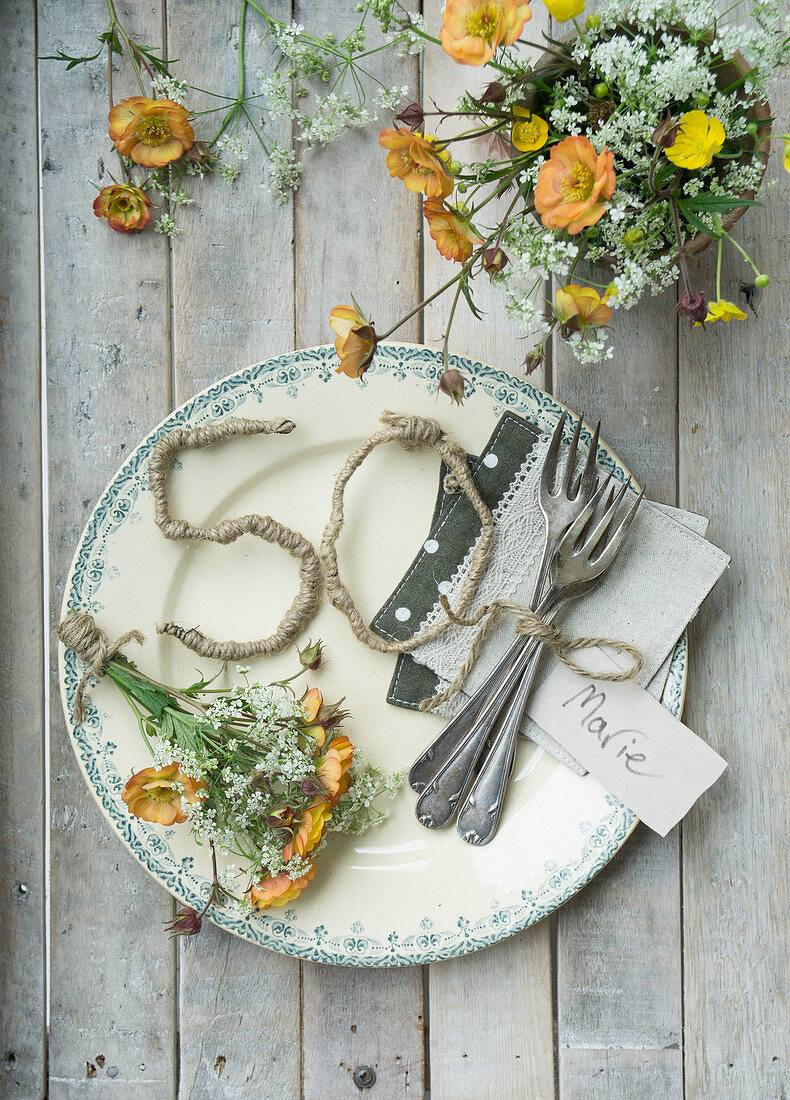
80, 633
531, 625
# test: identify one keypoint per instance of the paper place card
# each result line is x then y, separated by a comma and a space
640, 752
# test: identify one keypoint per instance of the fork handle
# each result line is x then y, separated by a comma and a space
439, 799
430, 762
479, 816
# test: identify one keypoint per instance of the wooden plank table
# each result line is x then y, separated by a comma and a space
668, 976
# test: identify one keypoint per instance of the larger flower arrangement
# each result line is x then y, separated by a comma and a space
622, 150
618, 151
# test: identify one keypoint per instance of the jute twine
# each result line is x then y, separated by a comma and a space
411, 432
529, 624
270, 530
80, 633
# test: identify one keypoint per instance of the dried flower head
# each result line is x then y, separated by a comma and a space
187, 922
453, 383
694, 305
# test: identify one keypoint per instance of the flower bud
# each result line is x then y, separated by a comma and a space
187, 922
762, 281
200, 154
592, 22
412, 116
702, 99
312, 787
633, 236
532, 361
455, 167
601, 90
453, 383
752, 128
665, 133
694, 305
494, 260
494, 93
311, 655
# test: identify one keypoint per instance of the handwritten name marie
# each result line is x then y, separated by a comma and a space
589, 705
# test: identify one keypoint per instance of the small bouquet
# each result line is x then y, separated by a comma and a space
622, 150
258, 772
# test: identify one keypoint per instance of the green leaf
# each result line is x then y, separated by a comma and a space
72, 61
467, 293
691, 218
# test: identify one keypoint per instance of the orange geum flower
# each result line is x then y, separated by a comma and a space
574, 184
274, 891
312, 826
123, 207
356, 340
415, 159
150, 131
580, 307
155, 794
473, 29
455, 238
333, 765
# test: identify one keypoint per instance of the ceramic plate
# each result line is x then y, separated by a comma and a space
400, 894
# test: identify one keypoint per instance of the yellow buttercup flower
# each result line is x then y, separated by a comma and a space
786, 154
531, 134
722, 311
563, 10
582, 307
697, 141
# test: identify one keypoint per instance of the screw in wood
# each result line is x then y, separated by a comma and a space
364, 1077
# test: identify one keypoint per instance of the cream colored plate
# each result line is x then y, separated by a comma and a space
399, 894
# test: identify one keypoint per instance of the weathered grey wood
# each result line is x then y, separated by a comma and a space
22, 983
356, 233
354, 1019
735, 464
621, 1074
491, 1021
239, 1020
490, 1013
619, 942
113, 971
232, 306
233, 297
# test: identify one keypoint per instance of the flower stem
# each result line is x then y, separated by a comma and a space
742, 251
684, 271
451, 315
718, 270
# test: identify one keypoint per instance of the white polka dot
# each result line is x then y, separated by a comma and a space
431, 546
402, 614
445, 587
490, 461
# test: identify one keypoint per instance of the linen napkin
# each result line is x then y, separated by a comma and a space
647, 597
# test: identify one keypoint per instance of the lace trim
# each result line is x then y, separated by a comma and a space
518, 541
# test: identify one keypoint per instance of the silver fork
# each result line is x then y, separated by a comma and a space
443, 771
585, 552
